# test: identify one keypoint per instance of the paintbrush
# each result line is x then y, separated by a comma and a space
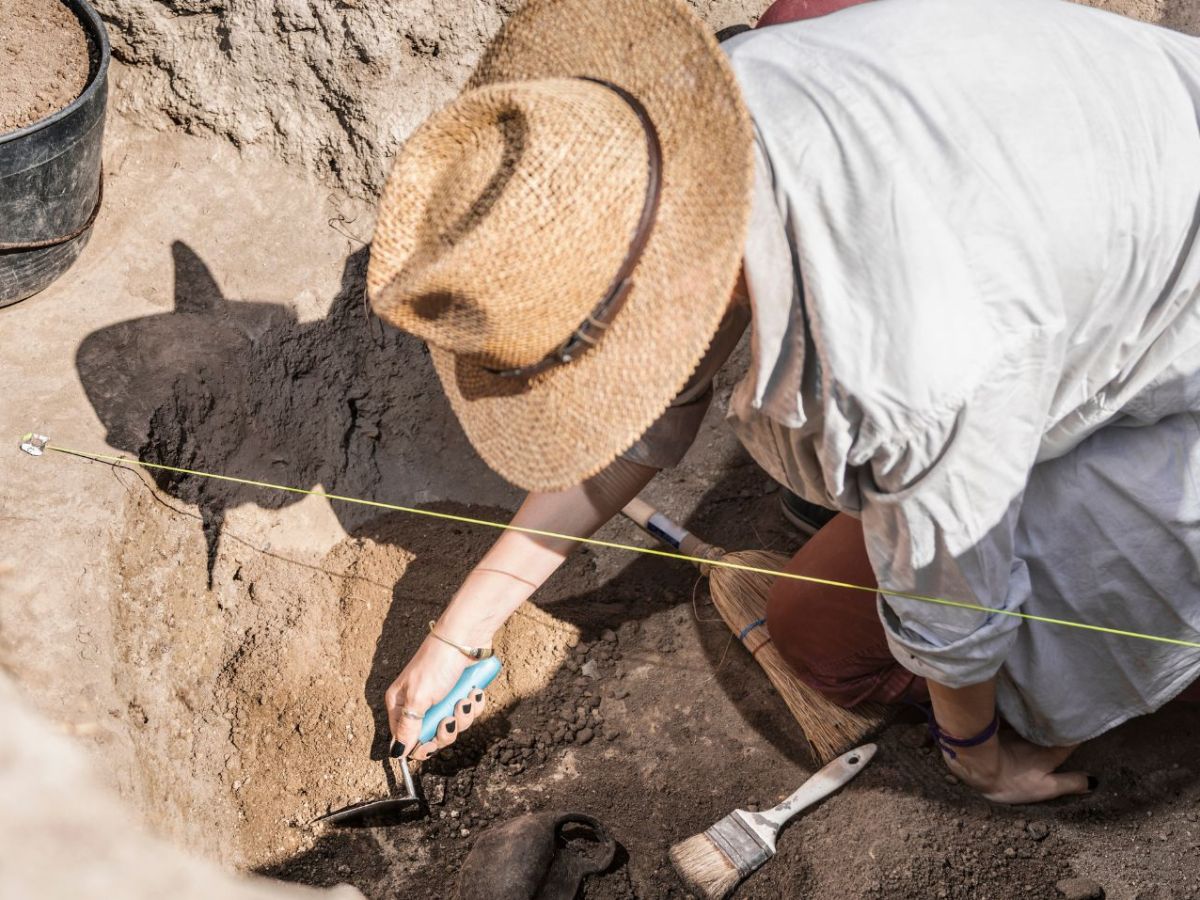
714, 863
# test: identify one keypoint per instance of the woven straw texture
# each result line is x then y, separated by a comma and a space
508, 214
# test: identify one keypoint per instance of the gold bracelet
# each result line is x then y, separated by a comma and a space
475, 653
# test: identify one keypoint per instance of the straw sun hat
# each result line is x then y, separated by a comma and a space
567, 233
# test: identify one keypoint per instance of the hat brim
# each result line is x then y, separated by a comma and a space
560, 427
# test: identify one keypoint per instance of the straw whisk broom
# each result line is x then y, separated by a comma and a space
740, 596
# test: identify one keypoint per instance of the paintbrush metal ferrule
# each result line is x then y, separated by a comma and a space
746, 846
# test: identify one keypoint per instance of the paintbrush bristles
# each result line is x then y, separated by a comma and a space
704, 868
741, 598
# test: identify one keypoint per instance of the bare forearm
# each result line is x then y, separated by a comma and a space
519, 563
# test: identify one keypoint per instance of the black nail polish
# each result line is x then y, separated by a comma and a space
397, 750
466, 708
479, 697
1093, 782
449, 728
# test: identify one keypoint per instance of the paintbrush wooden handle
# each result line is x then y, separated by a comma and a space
659, 527
829, 779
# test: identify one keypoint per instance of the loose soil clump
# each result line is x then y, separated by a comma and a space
44, 60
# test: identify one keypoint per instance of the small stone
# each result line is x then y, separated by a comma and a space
1080, 889
608, 636
610, 733
435, 791
584, 735
950, 779
620, 693
1039, 831
590, 669
1010, 852
464, 832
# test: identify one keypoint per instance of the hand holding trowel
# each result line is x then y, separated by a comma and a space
465, 699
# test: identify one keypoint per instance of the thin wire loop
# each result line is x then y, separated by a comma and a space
615, 545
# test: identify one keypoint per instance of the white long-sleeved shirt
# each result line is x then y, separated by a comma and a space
975, 282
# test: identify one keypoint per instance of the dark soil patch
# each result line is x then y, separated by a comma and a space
44, 62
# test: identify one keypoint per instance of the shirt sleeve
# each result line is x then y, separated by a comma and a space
666, 442
939, 514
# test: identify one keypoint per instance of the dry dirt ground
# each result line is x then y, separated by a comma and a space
220, 652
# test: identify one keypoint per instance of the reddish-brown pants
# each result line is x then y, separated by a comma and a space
782, 11
832, 636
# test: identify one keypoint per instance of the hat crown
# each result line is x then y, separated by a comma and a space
511, 211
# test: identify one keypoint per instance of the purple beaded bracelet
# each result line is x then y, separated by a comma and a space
948, 743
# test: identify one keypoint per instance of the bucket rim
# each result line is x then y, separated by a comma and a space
95, 27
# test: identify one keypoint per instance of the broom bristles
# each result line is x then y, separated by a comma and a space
741, 599
704, 868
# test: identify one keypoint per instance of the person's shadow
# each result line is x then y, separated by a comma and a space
244, 388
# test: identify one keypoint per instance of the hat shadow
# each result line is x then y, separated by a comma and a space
243, 388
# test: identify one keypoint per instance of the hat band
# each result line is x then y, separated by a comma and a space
593, 328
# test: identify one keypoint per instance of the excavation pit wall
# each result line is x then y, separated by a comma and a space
258, 706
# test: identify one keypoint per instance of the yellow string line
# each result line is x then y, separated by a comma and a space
128, 463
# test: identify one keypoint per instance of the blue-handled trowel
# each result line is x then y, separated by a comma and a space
412, 804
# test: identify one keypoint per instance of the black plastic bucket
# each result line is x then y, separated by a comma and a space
50, 181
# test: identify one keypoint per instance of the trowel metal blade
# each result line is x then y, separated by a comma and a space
390, 808
386, 810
